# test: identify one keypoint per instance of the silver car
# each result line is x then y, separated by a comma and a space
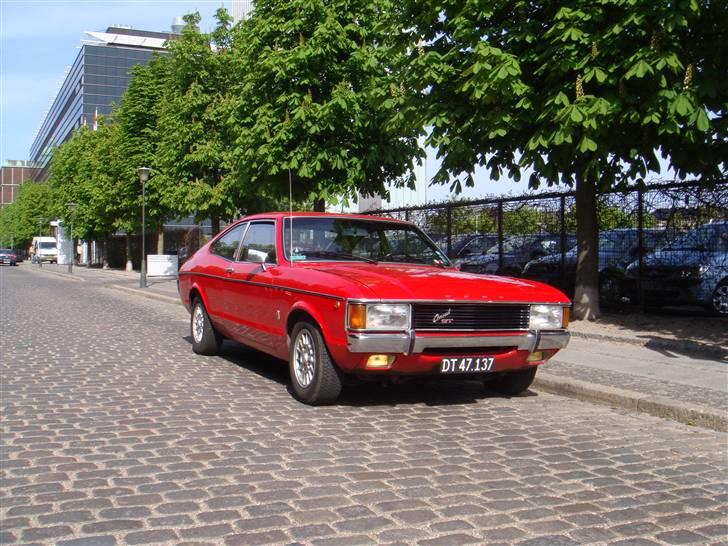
691, 270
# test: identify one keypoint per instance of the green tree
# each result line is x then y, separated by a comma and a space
85, 170
192, 154
29, 216
139, 132
319, 103
587, 93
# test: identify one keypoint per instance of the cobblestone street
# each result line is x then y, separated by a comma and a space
114, 432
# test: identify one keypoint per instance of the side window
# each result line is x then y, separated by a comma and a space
259, 244
227, 245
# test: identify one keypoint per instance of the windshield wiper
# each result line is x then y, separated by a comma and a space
401, 257
338, 255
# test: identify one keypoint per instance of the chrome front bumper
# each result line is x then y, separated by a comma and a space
408, 343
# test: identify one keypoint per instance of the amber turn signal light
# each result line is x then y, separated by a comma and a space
565, 317
357, 316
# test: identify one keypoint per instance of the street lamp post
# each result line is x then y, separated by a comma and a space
143, 173
37, 246
72, 208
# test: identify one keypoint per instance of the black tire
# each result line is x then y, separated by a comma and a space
719, 299
205, 339
610, 289
512, 383
314, 377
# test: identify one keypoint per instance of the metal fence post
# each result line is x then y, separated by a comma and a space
448, 209
500, 236
562, 219
640, 247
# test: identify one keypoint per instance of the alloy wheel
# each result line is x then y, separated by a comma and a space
198, 324
720, 299
304, 355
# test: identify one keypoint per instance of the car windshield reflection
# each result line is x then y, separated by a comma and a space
347, 239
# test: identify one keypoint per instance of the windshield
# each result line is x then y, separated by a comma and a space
46, 245
703, 238
336, 239
5, 251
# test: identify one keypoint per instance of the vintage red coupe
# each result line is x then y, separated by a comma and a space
350, 296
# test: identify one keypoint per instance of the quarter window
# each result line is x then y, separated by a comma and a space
227, 245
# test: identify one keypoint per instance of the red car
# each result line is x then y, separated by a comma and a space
348, 296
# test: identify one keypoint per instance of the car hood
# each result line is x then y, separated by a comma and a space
414, 282
680, 258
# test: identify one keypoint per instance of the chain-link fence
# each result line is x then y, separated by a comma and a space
665, 244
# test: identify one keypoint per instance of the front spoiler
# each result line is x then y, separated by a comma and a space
407, 343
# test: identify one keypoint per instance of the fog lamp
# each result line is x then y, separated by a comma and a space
380, 361
535, 357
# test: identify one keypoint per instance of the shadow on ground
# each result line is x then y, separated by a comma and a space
417, 391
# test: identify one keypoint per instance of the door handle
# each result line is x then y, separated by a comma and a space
229, 270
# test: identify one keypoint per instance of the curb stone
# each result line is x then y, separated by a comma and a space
675, 345
658, 406
146, 294
67, 276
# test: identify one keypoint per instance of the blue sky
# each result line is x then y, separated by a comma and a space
40, 38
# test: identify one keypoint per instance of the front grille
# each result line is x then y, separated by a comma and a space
426, 316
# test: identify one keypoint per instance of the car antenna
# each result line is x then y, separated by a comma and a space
290, 214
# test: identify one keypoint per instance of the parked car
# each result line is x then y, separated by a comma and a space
8, 256
693, 269
617, 248
517, 251
470, 246
349, 296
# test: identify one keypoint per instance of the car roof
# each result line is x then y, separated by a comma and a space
309, 214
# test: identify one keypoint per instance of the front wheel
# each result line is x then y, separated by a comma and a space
205, 339
512, 383
314, 377
719, 300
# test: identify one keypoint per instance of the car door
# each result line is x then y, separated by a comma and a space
250, 304
217, 272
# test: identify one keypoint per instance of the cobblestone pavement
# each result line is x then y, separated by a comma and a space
114, 432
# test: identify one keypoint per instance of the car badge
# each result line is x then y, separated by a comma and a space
443, 318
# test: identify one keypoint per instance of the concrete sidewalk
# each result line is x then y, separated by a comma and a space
673, 366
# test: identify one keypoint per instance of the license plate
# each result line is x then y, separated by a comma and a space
467, 364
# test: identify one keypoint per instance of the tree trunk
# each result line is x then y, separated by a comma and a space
160, 239
586, 293
215, 222
104, 253
319, 205
129, 266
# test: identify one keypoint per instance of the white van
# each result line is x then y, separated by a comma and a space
45, 249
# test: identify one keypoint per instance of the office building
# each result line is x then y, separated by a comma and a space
241, 9
94, 83
12, 176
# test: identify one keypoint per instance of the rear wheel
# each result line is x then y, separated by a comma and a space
205, 339
512, 383
610, 289
314, 377
719, 299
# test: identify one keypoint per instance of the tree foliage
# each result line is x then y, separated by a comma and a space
27, 217
587, 93
318, 99
194, 144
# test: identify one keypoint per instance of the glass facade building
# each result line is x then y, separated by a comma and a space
96, 81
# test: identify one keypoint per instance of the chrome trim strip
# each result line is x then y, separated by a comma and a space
403, 343
265, 285
458, 302
553, 340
